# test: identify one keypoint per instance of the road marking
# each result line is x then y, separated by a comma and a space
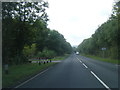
85, 65
82, 63
31, 78
95, 76
79, 59
100, 80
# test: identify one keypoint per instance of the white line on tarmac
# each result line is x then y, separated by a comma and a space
85, 65
96, 76
31, 78
79, 60
82, 63
100, 80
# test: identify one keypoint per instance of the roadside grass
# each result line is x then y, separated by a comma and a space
19, 73
60, 57
55, 58
103, 59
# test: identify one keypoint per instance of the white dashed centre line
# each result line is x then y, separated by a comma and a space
85, 65
96, 76
80, 61
100, 80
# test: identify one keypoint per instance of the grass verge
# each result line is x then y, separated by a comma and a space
56, 58
103, 59
19, 73
60, 57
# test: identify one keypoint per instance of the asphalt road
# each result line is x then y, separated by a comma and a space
76, 72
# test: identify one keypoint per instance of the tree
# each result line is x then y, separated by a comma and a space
29, 51
17, 24
57, 42
106, 36
25, 24
41, 34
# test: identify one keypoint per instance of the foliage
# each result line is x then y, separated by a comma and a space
17, 27
25, 33
49, 53
29, 51
46, 53
103, 59
106, 36
57, 42
19, 73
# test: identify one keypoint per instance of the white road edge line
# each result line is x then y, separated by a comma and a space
31, 78
85, 65
100, 80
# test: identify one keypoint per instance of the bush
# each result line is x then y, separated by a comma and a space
47, 53
29, 51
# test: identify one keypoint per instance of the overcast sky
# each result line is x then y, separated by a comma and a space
78, 19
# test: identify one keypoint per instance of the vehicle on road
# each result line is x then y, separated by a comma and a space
77, 53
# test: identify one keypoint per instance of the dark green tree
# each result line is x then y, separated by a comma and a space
17, 24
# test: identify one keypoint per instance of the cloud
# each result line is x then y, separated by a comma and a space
78, 19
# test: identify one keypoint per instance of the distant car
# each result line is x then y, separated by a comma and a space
77, 53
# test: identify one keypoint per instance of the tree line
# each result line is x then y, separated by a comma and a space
106, 38
25, 33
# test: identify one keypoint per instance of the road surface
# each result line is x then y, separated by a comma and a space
76, 72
